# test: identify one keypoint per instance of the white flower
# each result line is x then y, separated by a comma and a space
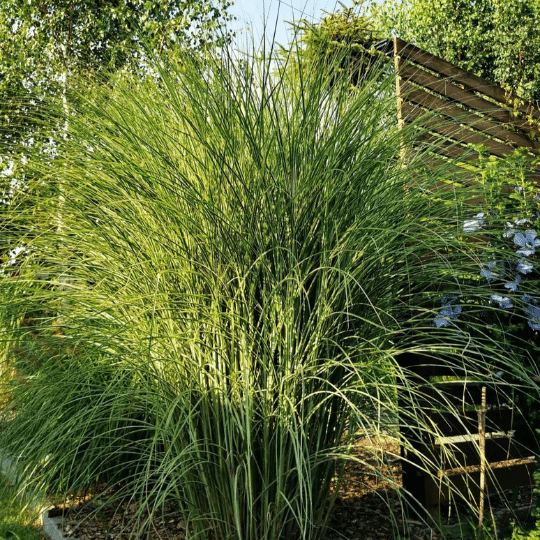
502, 301
524, 266
472, 225
14, 253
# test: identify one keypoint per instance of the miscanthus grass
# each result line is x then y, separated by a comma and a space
222, 266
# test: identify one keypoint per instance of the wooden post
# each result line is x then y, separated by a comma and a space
399, 97
482, 447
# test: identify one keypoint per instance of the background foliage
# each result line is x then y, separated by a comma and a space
495, 39
43, 44
341, 41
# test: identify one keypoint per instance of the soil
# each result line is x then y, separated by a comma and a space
366, 508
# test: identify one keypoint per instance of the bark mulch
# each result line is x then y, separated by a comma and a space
367, 506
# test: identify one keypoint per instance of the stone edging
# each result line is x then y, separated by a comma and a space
52, 527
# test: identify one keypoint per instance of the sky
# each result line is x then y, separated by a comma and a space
255, 13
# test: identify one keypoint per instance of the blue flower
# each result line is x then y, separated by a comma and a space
524, 266
528, 242
447, 300
534, 317
519, 189
489, 273
513, 285
532, 311
447, 312
517, 222
502, 301
472, 225
439, 322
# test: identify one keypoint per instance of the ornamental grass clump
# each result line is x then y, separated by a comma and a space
222, 264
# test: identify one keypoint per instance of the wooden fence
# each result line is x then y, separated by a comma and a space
471, 451
474, 451
466, 108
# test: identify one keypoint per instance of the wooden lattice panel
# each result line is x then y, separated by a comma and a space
452, 451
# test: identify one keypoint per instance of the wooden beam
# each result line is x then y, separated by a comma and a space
461, 115
446, 88
500, 422
455, 150
496, 465
399, 100
449, 149
492, 90
454, 131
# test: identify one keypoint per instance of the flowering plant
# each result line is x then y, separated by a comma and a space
500, 297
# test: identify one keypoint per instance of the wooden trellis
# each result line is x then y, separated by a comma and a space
468, 109
472, 434
471, 450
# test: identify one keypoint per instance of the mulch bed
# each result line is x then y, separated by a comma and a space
367, 507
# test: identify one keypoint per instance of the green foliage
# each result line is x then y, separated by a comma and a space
341, 30
209, 350
15, 519
46, 47
510, 202
241, 260
103, 35
530, 530
44, 41
342, 41
507, 186
497, 40
502, 205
